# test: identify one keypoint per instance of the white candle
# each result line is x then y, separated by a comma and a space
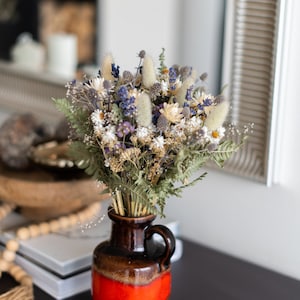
62, 54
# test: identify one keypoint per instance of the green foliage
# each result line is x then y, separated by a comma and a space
77, 117
225, 151
146, 153
162, 59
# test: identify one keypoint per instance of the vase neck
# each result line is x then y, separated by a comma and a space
129, 233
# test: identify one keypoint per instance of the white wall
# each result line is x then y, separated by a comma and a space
126, 27
238, 216
189, 30
247, 219
201, 40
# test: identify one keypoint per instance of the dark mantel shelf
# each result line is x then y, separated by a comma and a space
205, 274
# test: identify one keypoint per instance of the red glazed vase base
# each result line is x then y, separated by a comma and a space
108, 289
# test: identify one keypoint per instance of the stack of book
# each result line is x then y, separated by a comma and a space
60, 263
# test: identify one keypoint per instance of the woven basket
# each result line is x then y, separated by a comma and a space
41, 195
18, 293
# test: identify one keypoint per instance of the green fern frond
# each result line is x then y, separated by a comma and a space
87, 159
162, 59
225, 150
77, 117
199, 178
64, 106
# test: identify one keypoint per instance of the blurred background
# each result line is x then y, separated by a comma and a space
242, 217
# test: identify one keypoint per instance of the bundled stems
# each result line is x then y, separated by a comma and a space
128, 206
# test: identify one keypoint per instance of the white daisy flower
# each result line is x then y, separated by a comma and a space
216, 135
172, 112
97, 84
97, 118
143, 132
107, 163
109, 136
178, 129
159, 142
133, 93
194, 123
164, 87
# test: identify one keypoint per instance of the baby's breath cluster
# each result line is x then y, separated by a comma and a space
144, 133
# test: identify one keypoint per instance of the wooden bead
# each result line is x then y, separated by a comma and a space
19, 275
17, 272
2, 213
23, 233
44, 228
6, 208
90, 211
64, 222
34, 230
14, 269
95, 207
26, 280
81, 216
73, 219
54, 225
12, 245
9, 255
4, 265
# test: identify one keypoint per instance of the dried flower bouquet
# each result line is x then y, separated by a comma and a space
145, 134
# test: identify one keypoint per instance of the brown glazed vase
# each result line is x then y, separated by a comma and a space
132, 265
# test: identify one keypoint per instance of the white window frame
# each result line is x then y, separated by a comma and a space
267, 168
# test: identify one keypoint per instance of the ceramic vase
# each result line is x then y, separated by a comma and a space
135, 263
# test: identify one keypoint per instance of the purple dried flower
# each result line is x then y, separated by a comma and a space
93, 97
172, 75
212, 147
162, 123
186, 111
115, 72
122, 93
185, 72
127, 76
124, 129
176, 69
107, 84
142, 54
193, 112
155, 90
219, 99
207, 102
128, 106
188, 95
203, 76
200, 106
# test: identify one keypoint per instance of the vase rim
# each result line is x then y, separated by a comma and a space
117, 217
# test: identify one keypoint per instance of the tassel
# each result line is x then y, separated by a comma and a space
144, 110
149, 76
217, 116
181, 94
106, 67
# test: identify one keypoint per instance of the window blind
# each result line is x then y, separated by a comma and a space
23, 91
251, 86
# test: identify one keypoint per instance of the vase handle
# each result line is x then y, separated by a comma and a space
169, 241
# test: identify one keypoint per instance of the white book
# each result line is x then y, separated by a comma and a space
55, 286
60, 262
61, 288
68, 251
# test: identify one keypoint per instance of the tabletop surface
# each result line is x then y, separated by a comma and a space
206, 274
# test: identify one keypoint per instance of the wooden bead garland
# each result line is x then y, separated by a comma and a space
7, 257
5, 209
